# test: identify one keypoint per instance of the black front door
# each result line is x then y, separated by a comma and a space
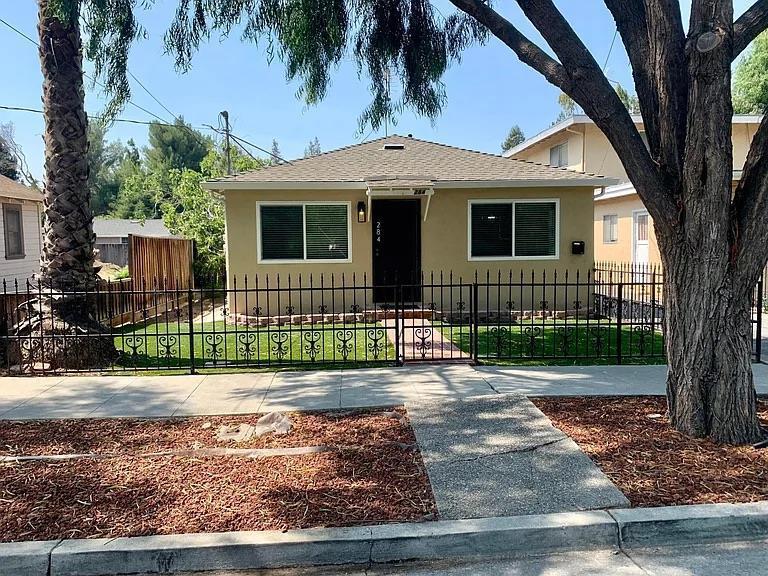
396, 247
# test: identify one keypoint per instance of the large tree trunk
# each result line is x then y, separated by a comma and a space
60, 330
710, 391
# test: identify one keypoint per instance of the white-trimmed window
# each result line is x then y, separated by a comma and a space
558, 155
610, 228
304, 231
514, 229
13, 227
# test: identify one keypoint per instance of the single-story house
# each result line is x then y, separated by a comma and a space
388, 210
21, 230
112, 236
623, 229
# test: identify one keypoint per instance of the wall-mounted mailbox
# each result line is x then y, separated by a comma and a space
578, 247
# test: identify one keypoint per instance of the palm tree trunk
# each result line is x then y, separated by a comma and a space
68, 239
60, 330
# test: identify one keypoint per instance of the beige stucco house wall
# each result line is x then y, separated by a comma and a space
444, 222
589, 151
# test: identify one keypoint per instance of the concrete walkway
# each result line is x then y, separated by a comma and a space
156, 396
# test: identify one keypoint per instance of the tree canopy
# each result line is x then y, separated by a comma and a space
750, 82
8, 163
515, 137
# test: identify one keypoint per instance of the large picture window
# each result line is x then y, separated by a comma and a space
310, 231
513, 229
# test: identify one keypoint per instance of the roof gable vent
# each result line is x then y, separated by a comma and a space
394, 147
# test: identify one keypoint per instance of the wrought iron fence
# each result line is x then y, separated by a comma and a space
593, 316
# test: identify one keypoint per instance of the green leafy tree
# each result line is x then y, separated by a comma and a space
141, 195
313, 148
195, 213
8, 163
275, 153
176, 147
630, 101
105, 160
567, 107
750, 81
515, 137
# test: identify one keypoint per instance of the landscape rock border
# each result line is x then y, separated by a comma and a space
365, 545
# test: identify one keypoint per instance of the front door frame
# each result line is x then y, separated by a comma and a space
406, 295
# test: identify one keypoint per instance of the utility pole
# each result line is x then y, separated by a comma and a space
225, 115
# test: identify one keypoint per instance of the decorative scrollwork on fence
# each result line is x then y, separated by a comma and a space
323, 309
247, 345
432, 306
461, 305
224, 311
279, 344
355, 309
385, 307
510, 305
312, 343
643, 338
565, 336
598, 336
577, 305
136, 346
167, 346
31, 350
544, 305
177, 312
376, 343
289, 310
257, 311
344, 345
499, 338
423, 342
532, 335
144, 313
214, 346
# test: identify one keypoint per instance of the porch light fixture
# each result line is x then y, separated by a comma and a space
361, 215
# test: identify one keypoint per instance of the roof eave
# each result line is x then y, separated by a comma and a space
576, 181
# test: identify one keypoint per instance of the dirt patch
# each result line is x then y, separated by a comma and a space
371, 474
631, 440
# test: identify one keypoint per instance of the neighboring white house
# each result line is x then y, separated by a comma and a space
112, 236
21, 231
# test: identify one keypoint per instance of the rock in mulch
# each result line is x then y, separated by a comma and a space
274, 422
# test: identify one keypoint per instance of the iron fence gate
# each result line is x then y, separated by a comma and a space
601, 316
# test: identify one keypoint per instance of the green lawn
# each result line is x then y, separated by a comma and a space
164, 345
570, 343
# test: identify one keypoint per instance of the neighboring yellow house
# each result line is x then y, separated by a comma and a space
623, 230
391, 209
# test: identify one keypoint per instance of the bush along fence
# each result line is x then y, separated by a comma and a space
608, 315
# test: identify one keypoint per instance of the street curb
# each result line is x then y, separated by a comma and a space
365, 545
698, 523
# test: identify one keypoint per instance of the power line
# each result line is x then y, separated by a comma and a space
610, 50
244, 141
96, 116
19, 32
163, 106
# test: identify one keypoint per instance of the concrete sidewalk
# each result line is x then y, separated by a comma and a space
159, 396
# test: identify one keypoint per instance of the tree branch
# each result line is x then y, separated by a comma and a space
528, 52
652, 31
749, 25
749, 210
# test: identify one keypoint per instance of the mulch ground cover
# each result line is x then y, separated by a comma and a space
372, 473
630, 439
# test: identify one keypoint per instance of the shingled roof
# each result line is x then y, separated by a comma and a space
405, 159
12, 189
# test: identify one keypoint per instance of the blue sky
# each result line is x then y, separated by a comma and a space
488, 91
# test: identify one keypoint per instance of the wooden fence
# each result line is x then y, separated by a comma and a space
166, 261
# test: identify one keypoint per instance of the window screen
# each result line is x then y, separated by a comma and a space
14, 235
535, 228
282, 232
610, 228
558, 155
327, 232
491, 230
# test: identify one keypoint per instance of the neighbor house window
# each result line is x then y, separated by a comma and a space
558, 155
610, 228
14, 232
297, 232
513, 229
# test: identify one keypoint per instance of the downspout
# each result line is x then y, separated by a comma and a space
583, 164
